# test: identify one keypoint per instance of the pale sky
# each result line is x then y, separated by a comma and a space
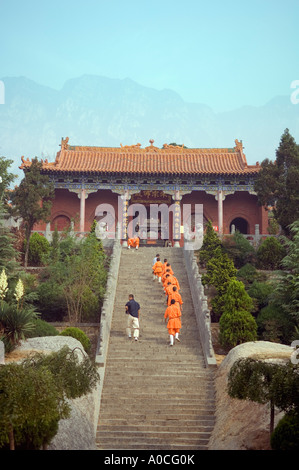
223, 53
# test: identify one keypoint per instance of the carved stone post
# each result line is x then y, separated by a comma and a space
177, 219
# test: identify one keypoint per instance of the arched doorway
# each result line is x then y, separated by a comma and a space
240, 224
61, 222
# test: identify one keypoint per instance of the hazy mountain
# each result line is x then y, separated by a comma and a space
100, 111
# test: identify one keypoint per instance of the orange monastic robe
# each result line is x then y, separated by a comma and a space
173, 314
157, 268
176, 296
173, 281
168, 289
133, 242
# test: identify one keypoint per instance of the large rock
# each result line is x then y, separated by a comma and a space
243, 424
78, 431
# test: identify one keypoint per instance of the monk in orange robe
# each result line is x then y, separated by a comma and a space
168, 289
164, 275
164, 265
176, 296
173, 317
174, 281
157, 269
169, 268
133, 242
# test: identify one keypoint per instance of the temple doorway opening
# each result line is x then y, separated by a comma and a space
240, 225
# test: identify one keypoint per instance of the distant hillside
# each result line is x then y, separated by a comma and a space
99, 111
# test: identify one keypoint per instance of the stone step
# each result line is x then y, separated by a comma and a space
154, 396
154, 435
158, 447
164, 439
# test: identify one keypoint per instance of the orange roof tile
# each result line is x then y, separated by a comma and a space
149, 160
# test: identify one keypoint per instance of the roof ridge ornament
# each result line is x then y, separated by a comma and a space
64, 143
239, 148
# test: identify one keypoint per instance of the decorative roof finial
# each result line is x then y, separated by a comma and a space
151, 141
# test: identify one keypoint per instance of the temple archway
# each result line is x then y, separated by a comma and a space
241, 225
62, 222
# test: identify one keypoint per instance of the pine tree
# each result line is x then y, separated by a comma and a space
9, 257
32, 200
237, 325
211, 242
277, 182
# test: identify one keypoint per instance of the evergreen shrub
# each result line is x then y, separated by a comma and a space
42, 328
78, 334
274, 325
247, 274
260, 293
270, 254
38, 248
286, 434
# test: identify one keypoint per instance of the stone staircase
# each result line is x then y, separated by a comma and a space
154, 396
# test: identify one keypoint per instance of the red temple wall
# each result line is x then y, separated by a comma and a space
66, 207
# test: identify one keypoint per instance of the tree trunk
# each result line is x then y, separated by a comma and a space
271, 417
26, 250
11, 438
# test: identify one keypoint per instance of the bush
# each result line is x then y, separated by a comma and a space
270, 254
42, 328
237, 328
236, 324
16, 323
39, 247
239, 249
260, 293
274, 325
79, 335
51, 302
286, 434
247, 274
211, 242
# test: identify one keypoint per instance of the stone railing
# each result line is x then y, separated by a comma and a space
106, 317
200, 303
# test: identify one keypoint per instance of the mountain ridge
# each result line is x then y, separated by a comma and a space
99, 111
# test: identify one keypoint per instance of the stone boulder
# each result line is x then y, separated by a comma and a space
243, 424
78, 431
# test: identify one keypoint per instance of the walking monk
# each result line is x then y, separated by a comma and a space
174, 294
157, 269
173, 317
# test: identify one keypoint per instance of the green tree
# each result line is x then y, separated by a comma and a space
265, 382
211, 242
39, 248
236, 325
239, 249
286, 434
74, 281
286, 285
34, 395
277, 182
220, 270
31, 200
6, 178
9, 257
270, 253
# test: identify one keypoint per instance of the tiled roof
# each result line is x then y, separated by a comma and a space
149, 160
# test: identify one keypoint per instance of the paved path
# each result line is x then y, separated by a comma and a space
154, 396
